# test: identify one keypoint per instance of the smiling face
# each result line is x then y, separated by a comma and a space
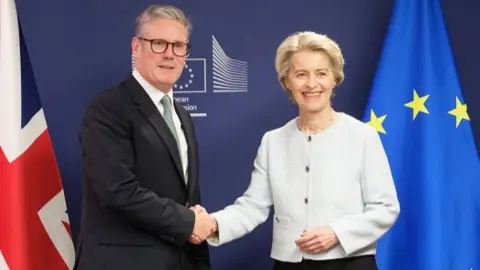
160, 70
311, 80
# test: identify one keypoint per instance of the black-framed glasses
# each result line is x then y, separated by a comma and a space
160, 46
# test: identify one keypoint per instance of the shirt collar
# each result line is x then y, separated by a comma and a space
155, 94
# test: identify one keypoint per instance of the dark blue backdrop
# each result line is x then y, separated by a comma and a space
80, 47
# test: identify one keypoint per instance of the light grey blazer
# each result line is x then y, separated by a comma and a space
339, 177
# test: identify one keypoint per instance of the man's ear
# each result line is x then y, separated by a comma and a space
135, 45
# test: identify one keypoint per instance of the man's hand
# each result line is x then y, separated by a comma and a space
205, 225
317, 240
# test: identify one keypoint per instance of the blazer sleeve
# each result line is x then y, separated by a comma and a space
108, 161
249, 210
379, 194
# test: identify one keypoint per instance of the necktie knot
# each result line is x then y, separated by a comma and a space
166, 102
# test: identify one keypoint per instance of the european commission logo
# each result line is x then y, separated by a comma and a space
229, 75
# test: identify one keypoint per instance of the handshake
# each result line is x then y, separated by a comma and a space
205, 225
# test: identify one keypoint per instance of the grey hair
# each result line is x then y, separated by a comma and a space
308, 41
161, 12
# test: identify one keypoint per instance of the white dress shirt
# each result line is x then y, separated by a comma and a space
156, 96
338, 177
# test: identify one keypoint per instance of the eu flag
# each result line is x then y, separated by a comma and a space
193, 78
417, 106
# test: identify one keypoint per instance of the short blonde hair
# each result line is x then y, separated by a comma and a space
312, 41
161, 12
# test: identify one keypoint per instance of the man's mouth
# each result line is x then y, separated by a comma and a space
166, 67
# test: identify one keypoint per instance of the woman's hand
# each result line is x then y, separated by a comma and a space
317, 240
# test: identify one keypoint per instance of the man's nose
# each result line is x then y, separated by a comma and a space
168, 53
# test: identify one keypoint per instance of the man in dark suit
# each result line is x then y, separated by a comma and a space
140, 162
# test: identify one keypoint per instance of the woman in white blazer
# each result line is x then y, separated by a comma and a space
325, 173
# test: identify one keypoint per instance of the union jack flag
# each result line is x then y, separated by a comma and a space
34, 225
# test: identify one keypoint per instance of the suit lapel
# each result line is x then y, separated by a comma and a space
190, 138
151, 113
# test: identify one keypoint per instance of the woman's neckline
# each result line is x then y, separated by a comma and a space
332, 121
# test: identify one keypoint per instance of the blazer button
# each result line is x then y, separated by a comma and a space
306, 200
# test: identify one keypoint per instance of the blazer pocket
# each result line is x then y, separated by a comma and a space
110, 240
281, 220
281, 235
167, 239
126, 236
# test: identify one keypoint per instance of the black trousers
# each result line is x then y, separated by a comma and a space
354, 263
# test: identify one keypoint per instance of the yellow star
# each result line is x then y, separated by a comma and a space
460, 111
377, 122
417, 104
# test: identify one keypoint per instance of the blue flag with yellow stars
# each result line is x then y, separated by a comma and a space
416, 105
